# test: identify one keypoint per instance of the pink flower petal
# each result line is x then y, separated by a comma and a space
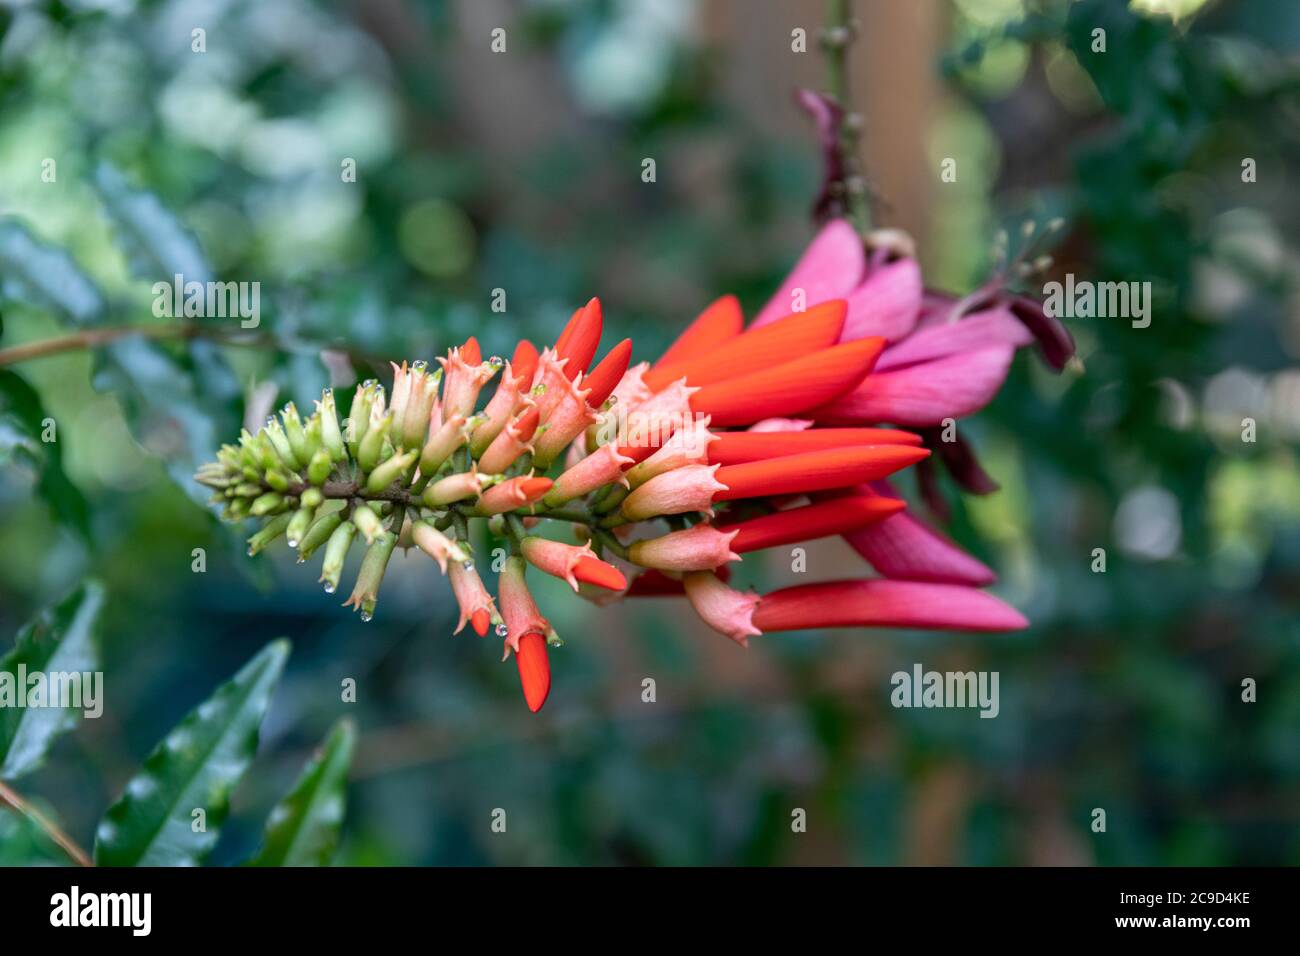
887, 304
884, 603
830, 268
979, 330
904, 547
925, 393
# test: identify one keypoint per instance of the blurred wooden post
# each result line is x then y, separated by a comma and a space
892, 69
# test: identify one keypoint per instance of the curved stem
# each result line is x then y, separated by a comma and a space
69, 846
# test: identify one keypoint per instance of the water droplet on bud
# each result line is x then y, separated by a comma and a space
467, 565
502, 630
329, 587
293, 543
366, 616
419, 366
251, 551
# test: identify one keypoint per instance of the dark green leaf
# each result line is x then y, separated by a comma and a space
22, 422
61, 641
303, 829
157, 820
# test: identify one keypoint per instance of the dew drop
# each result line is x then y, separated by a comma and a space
329, 587
419, 366
251, 551
467, 565
293, 542
366, 616
370, 382
502, 630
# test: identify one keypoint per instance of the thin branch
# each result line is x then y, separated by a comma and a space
69, 846
93, 338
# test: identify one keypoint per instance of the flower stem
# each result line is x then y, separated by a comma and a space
837, 39
69, 846
607, 539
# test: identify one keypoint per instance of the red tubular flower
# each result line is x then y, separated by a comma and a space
726, 610
841, 515
701, 548
580, 339
790, 387
526, 631
736, 448
524, 361
605, 376
719, 323
571, 563
511, 393
534, 669
690, 488
513, 493
602, 467
796, 334
476, 606
884, 603
513, 441
814, 471
471, 352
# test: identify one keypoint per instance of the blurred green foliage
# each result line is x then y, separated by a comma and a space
1124, 695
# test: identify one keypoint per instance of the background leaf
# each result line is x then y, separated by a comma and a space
21, 422
194, 767
158, 246
60, 639
303, 829
42, 275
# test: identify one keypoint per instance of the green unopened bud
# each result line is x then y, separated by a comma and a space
293, 431
320, 466
277, 479
311, 428
280, 443
318, 534
331, 436
367, 522
311, 498
372, 445
268, 533
267, 504
298, 525
237, 510
373, 566
390, 471
359, 418
336, 552
245, 489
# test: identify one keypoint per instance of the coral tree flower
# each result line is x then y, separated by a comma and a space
737, 439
